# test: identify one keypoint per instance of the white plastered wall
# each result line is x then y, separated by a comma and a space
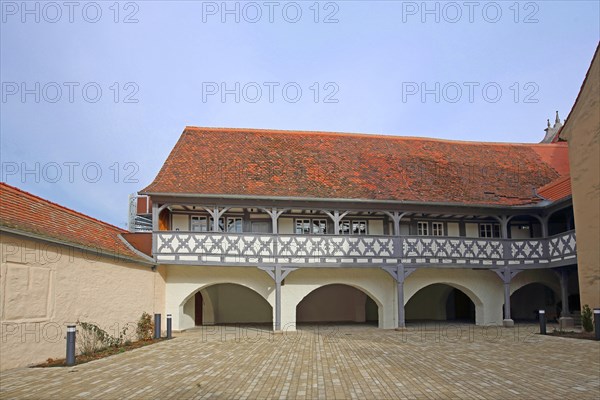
516, 233
374, 282
484, 288
183, 281
453, 229
471, 230
286, 225
181, 222
376, 227
404, 229
45, 286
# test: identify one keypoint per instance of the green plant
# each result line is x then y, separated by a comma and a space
145, 326
91, 338
586, 318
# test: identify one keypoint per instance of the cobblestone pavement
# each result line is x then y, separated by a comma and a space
432, 361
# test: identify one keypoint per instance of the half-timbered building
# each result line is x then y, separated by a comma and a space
285, 227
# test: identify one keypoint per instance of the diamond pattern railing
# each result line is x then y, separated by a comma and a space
563, 245
240, 248
452, 248
527, 249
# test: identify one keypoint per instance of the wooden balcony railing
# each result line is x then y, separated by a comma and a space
219, 248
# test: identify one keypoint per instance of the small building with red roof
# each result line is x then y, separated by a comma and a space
60, 266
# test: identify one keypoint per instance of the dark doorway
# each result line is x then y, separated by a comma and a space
198, 308
526, 302
337, 303
459, 307
440, 302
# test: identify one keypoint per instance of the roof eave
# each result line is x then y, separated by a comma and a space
336, 200
102, 252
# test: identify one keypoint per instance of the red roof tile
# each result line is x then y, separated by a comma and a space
557, 189
25, 212
251, 162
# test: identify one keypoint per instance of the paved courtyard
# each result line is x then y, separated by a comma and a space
431, 361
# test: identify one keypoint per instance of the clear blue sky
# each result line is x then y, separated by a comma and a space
169, 63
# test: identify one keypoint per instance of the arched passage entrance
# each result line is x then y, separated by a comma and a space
337, 303
226, 303
440, 302
526, 302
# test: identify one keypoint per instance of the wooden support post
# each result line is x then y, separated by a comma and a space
336, 217
506, 274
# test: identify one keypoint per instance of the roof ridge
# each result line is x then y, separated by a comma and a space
70, 210
363, 135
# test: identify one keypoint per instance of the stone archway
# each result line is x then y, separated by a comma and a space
441, 302
374, 283
527, 300
183, 282
337, 303
483, 289
227, 303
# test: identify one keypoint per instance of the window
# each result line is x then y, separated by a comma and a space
311, 226
354, 227
199, 224
303, 226
319, 226
489, 230
234, 224
437, 228
422, 229
359, 227
344, 227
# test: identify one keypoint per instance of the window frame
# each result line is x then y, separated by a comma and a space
439, 226
493, 231
347, 227
308, 226
420, 230
235, 219
199, 218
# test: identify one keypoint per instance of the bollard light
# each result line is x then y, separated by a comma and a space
597, 323
156, 326
542, 322
169, 327
71, 332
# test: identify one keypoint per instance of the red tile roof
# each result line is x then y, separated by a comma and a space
319, 165
25, 212
557, 189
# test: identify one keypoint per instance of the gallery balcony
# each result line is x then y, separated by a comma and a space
252, 249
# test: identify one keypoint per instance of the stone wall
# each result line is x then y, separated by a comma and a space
46, 286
